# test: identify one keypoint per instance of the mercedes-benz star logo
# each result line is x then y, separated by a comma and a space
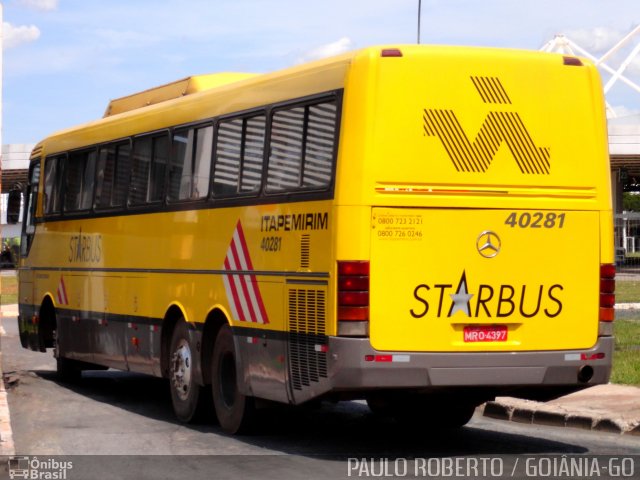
488, 244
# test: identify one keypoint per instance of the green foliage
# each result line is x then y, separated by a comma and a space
630, 202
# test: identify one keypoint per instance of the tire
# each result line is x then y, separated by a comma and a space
67, 370
188, 398
235, 411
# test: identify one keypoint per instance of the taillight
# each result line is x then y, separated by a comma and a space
391, 52
572, 61
607, 292
353, 291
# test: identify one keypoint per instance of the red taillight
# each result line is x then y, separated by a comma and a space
358, 299
391, 52
349, 269
353, 291
607, 292
572, 61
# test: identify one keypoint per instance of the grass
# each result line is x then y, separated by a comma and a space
8, 290
626, 355
627, 291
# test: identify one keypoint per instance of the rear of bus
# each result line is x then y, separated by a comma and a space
474, 248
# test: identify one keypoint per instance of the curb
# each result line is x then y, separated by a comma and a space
7, 447
540, 414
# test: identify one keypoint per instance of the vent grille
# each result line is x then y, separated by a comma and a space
305, 248
307, 339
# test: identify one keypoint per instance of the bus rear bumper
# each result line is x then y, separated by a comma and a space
355, 365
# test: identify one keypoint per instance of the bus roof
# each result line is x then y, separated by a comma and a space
176, 89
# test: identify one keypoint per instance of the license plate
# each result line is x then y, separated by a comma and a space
485, 333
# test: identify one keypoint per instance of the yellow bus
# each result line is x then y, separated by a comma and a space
423, 227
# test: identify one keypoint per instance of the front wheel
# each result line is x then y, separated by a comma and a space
235, 411
188, 398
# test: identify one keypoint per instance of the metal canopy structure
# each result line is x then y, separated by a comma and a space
624, 137
563, 44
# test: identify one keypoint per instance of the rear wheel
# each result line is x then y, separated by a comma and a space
235, 411
189, 399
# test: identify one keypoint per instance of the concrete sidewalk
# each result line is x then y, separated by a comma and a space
608, 408
7, 447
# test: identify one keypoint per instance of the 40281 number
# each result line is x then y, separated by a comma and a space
271, 244
535, 220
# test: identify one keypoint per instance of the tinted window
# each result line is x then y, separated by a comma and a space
228, 151
141, 163
285, 159
79, 180
112, 175
190, 163
202, 162
28, 226
180, 176
319, 145
52, 184
149, 168
253, 153
158, 172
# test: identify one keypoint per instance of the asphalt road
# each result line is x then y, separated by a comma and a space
118, 413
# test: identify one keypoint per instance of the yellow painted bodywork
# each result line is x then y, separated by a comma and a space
406, 172
387, 166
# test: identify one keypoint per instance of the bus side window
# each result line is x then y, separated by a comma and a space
122, 172
141, 161
52, 184
112, 175
190, 163
319, 145
150, 157
79, 180
28, 225
285, 157
180, 167
228, 151
158, 171
202, 162
253, 153
302, 148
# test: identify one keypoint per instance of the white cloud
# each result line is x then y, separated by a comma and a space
14, 36
596, 40
328, 50
43, 5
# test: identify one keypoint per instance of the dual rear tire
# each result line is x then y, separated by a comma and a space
192, 402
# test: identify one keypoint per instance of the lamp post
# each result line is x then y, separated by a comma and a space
419, 11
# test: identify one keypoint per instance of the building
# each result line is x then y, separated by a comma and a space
15, 166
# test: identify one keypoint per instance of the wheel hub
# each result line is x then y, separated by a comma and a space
181, 369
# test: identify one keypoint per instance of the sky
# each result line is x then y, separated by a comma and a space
65, 59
